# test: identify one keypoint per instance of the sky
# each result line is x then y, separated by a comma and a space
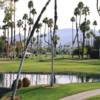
65, 10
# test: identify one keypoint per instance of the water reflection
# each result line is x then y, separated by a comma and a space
6, 80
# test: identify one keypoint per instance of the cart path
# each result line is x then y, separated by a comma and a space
83, 95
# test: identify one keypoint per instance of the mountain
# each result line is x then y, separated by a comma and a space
65, 36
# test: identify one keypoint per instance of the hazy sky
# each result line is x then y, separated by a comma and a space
65, 10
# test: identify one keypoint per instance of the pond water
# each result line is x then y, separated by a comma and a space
7, 79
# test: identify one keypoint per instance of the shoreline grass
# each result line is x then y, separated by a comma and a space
54, 93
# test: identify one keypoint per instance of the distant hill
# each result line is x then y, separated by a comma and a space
64, 34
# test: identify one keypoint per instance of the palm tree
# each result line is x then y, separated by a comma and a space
38, 28
92, 37
19, 25
33, 12
45, 21
30, 22
25, 18
30, 6
84, 27
94, 24
27, 43
72, 20
50, 26
98, 8
76, 13
15, 21
85, 12
52, 43
80, 6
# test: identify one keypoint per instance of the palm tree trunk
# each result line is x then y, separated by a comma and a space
14, 29
83, 44
52, 43
77, 35
25, 34
72, 39
27, 43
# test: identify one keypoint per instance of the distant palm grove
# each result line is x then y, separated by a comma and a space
86, 38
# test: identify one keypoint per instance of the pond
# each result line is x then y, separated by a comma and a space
7, 79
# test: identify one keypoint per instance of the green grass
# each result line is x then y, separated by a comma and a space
94, 98
55, 93
60, 65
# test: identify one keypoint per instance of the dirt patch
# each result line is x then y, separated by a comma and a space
9, 98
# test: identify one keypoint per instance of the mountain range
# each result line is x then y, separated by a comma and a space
65, 36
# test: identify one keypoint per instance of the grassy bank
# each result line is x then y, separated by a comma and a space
94, 98
61, 65
55, 93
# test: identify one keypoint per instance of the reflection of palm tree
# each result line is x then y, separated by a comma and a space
72, 20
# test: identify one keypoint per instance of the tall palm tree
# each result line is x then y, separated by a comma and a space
50, 26
45, 21
27, 43
76, 13
30, 6
52, 43
15, 21
92, 37
72, 20
80, 7
19, 25
25, 18
84, 27
30, 23
94, 24
38, 28
33, 12
85, 12
97, 6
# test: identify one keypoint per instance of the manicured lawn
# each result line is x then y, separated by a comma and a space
61, 65
55, 93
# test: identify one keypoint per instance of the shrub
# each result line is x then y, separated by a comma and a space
19, 84
26, 82
94, 53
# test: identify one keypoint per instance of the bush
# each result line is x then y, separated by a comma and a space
19, 84
94, 53
76, 51
26, 82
